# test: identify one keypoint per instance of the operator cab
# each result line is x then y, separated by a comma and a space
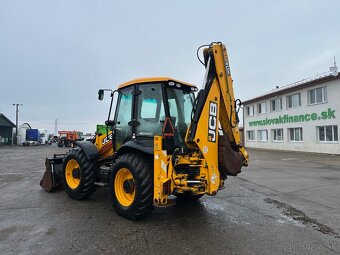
153, 107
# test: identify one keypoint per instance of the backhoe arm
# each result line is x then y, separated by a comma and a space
228, 115
215, 115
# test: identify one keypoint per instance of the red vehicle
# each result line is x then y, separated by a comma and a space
67, 138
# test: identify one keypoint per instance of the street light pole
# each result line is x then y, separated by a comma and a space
16, 121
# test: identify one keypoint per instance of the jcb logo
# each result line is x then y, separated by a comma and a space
107, 139
212, 122
227, 67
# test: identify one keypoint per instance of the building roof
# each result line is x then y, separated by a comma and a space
305, 83
5, 122
153, 79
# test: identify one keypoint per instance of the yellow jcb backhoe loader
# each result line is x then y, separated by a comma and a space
161, 141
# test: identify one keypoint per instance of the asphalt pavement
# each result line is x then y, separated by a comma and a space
283, 203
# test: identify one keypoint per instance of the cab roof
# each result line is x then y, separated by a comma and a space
153, 79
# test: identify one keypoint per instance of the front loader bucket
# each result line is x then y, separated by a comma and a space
52, 178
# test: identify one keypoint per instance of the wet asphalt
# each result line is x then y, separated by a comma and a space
283, 203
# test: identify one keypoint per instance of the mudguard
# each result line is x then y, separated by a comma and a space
143, 145
89, 149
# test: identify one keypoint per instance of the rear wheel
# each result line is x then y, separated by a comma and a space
78, 174
131, 186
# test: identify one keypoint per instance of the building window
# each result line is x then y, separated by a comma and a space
317, 96
328, 133
263, 135
251, 135
295, 134
276, 104
294, 100
261, 108
250, 110
277, 135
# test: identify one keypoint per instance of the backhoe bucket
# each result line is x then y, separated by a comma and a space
52, 178
229, 161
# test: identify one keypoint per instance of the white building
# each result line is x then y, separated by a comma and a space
303, 116
22, 132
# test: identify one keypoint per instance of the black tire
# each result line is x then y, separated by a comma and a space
141, 170
87, 169
188, 196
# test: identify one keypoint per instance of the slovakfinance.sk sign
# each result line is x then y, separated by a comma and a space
286, 118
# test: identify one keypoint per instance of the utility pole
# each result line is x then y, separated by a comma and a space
55, 127
16, 121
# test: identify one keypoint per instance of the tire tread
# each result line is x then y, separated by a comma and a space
143, 170
87, 187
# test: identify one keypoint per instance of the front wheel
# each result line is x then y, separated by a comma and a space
78, 174
131, 186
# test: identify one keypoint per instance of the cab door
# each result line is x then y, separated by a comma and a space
123, 116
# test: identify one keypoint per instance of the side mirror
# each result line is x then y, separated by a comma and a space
100, 94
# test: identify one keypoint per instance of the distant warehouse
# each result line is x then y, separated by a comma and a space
303, 116
6, 130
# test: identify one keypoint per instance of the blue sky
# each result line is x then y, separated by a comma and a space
55, 55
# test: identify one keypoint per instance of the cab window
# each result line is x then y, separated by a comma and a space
150, 111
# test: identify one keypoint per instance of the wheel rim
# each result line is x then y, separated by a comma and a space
72, 174
124, 187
